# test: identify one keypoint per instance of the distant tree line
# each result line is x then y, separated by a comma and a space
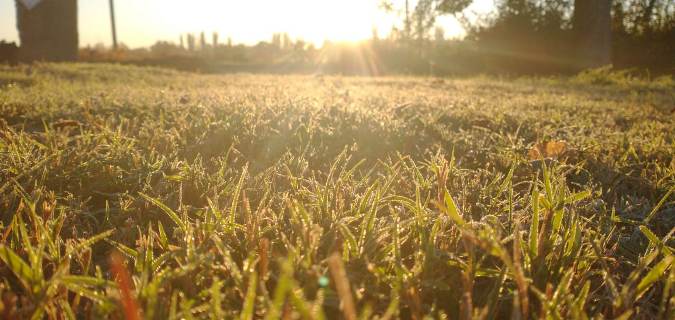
519, 37
548, 36
195, 53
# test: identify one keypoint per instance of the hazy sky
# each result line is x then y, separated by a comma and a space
143, 22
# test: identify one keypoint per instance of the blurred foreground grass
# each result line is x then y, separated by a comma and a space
146, 192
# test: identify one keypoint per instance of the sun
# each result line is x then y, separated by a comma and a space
347, 20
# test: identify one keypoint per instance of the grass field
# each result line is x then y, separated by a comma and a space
128, 191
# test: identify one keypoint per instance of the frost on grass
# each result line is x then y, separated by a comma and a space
130, 192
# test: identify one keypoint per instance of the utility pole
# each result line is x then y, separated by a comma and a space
407, 21
112, 23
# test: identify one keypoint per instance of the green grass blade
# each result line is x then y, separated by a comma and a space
172, 214
248, 310
657, 272
237, 192
534, 225
19, 267
452, 211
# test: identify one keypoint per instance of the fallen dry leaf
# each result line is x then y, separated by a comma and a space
66, 123
550, 149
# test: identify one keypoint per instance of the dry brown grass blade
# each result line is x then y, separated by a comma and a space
337, 271
129, 304
523, 301
287, 312
415, 303
466, 308
5, 234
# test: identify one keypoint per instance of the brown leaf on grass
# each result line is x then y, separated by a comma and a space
66, 123
550, 149
125, 284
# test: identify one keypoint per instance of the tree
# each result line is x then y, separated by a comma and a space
452, 6
48, 31
202, 41
286, 41
592, 25
640, 17
215, 39
190, 42
424, 18
276, 40
424, 14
